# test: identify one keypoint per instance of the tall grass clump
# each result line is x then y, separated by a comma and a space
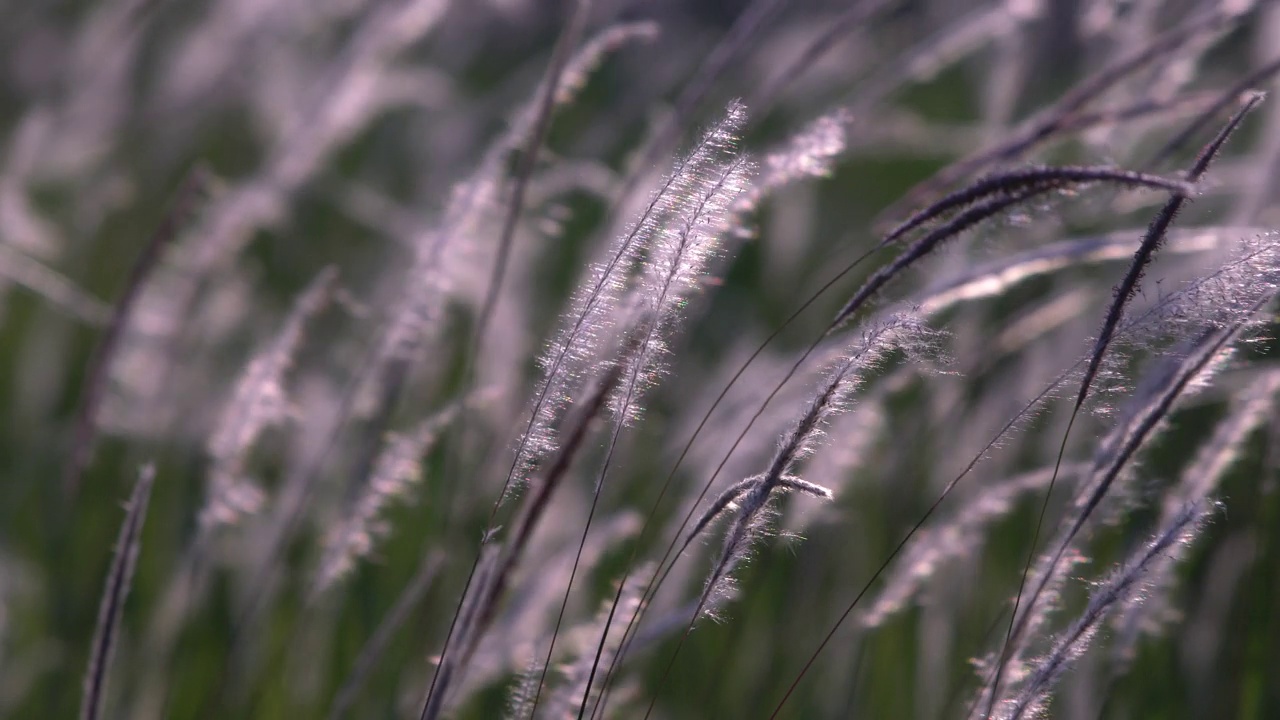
685, 360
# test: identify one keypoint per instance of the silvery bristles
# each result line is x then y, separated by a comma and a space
396, 470
523, 695
1225, 299
442, 256
676, 264
904, 333
592, 53
1196, 484
257, 402
809, 153
1152, 241
1122, 590
1249, 272
571, 360
1177, 374
1052, 569
439, 253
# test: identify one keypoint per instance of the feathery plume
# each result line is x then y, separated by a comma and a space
810, 153
93, 389
904, 333
996, 197
598, 302
1179, 373
1196, 485
396, 470
1122, 589
1124, 293
1153, 240
257, 402
675, 267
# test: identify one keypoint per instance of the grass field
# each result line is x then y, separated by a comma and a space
523, 359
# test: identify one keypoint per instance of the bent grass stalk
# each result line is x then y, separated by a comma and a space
489, 591
114, 594
1255, 259
679, 264
1124, 293
1038, 184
